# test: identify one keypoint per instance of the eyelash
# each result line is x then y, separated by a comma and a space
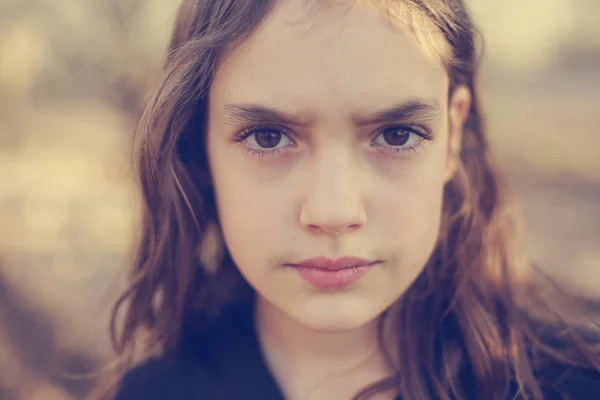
396, 151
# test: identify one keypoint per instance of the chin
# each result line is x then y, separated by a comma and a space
334, 319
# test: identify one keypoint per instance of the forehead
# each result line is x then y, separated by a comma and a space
336, 52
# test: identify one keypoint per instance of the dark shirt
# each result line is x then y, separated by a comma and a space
225, 363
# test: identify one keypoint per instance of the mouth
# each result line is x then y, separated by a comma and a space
326, 273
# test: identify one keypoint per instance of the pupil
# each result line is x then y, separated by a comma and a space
396, 137
268, 139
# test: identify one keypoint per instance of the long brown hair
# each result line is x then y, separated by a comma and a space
468, 286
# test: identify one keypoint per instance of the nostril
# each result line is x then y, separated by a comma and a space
314, 228
354, 227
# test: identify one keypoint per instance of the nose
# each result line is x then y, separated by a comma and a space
333, 201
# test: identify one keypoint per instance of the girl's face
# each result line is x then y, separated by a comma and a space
331, 136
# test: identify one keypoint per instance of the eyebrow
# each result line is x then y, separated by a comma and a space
414, 109
251, 113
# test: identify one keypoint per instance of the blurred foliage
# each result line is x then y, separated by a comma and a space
74, 75
103, 50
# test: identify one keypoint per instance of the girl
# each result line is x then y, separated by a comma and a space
321, 218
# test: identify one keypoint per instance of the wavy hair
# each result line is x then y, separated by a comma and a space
470, 288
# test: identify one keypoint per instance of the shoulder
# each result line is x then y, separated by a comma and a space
560, 381
198, 369
155, 379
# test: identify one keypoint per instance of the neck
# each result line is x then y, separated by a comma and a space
313, 364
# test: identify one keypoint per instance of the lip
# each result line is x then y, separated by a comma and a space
326, 273
333, 265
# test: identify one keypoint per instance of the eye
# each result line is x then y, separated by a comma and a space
399, 137
263, 141
267, 138
401, 141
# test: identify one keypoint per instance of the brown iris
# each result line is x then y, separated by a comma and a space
396, 137
267, 139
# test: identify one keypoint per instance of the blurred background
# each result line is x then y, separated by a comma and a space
74, 75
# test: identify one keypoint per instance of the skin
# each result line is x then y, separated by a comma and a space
335, 187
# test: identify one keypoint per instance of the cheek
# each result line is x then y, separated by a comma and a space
250, 212
411, 210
